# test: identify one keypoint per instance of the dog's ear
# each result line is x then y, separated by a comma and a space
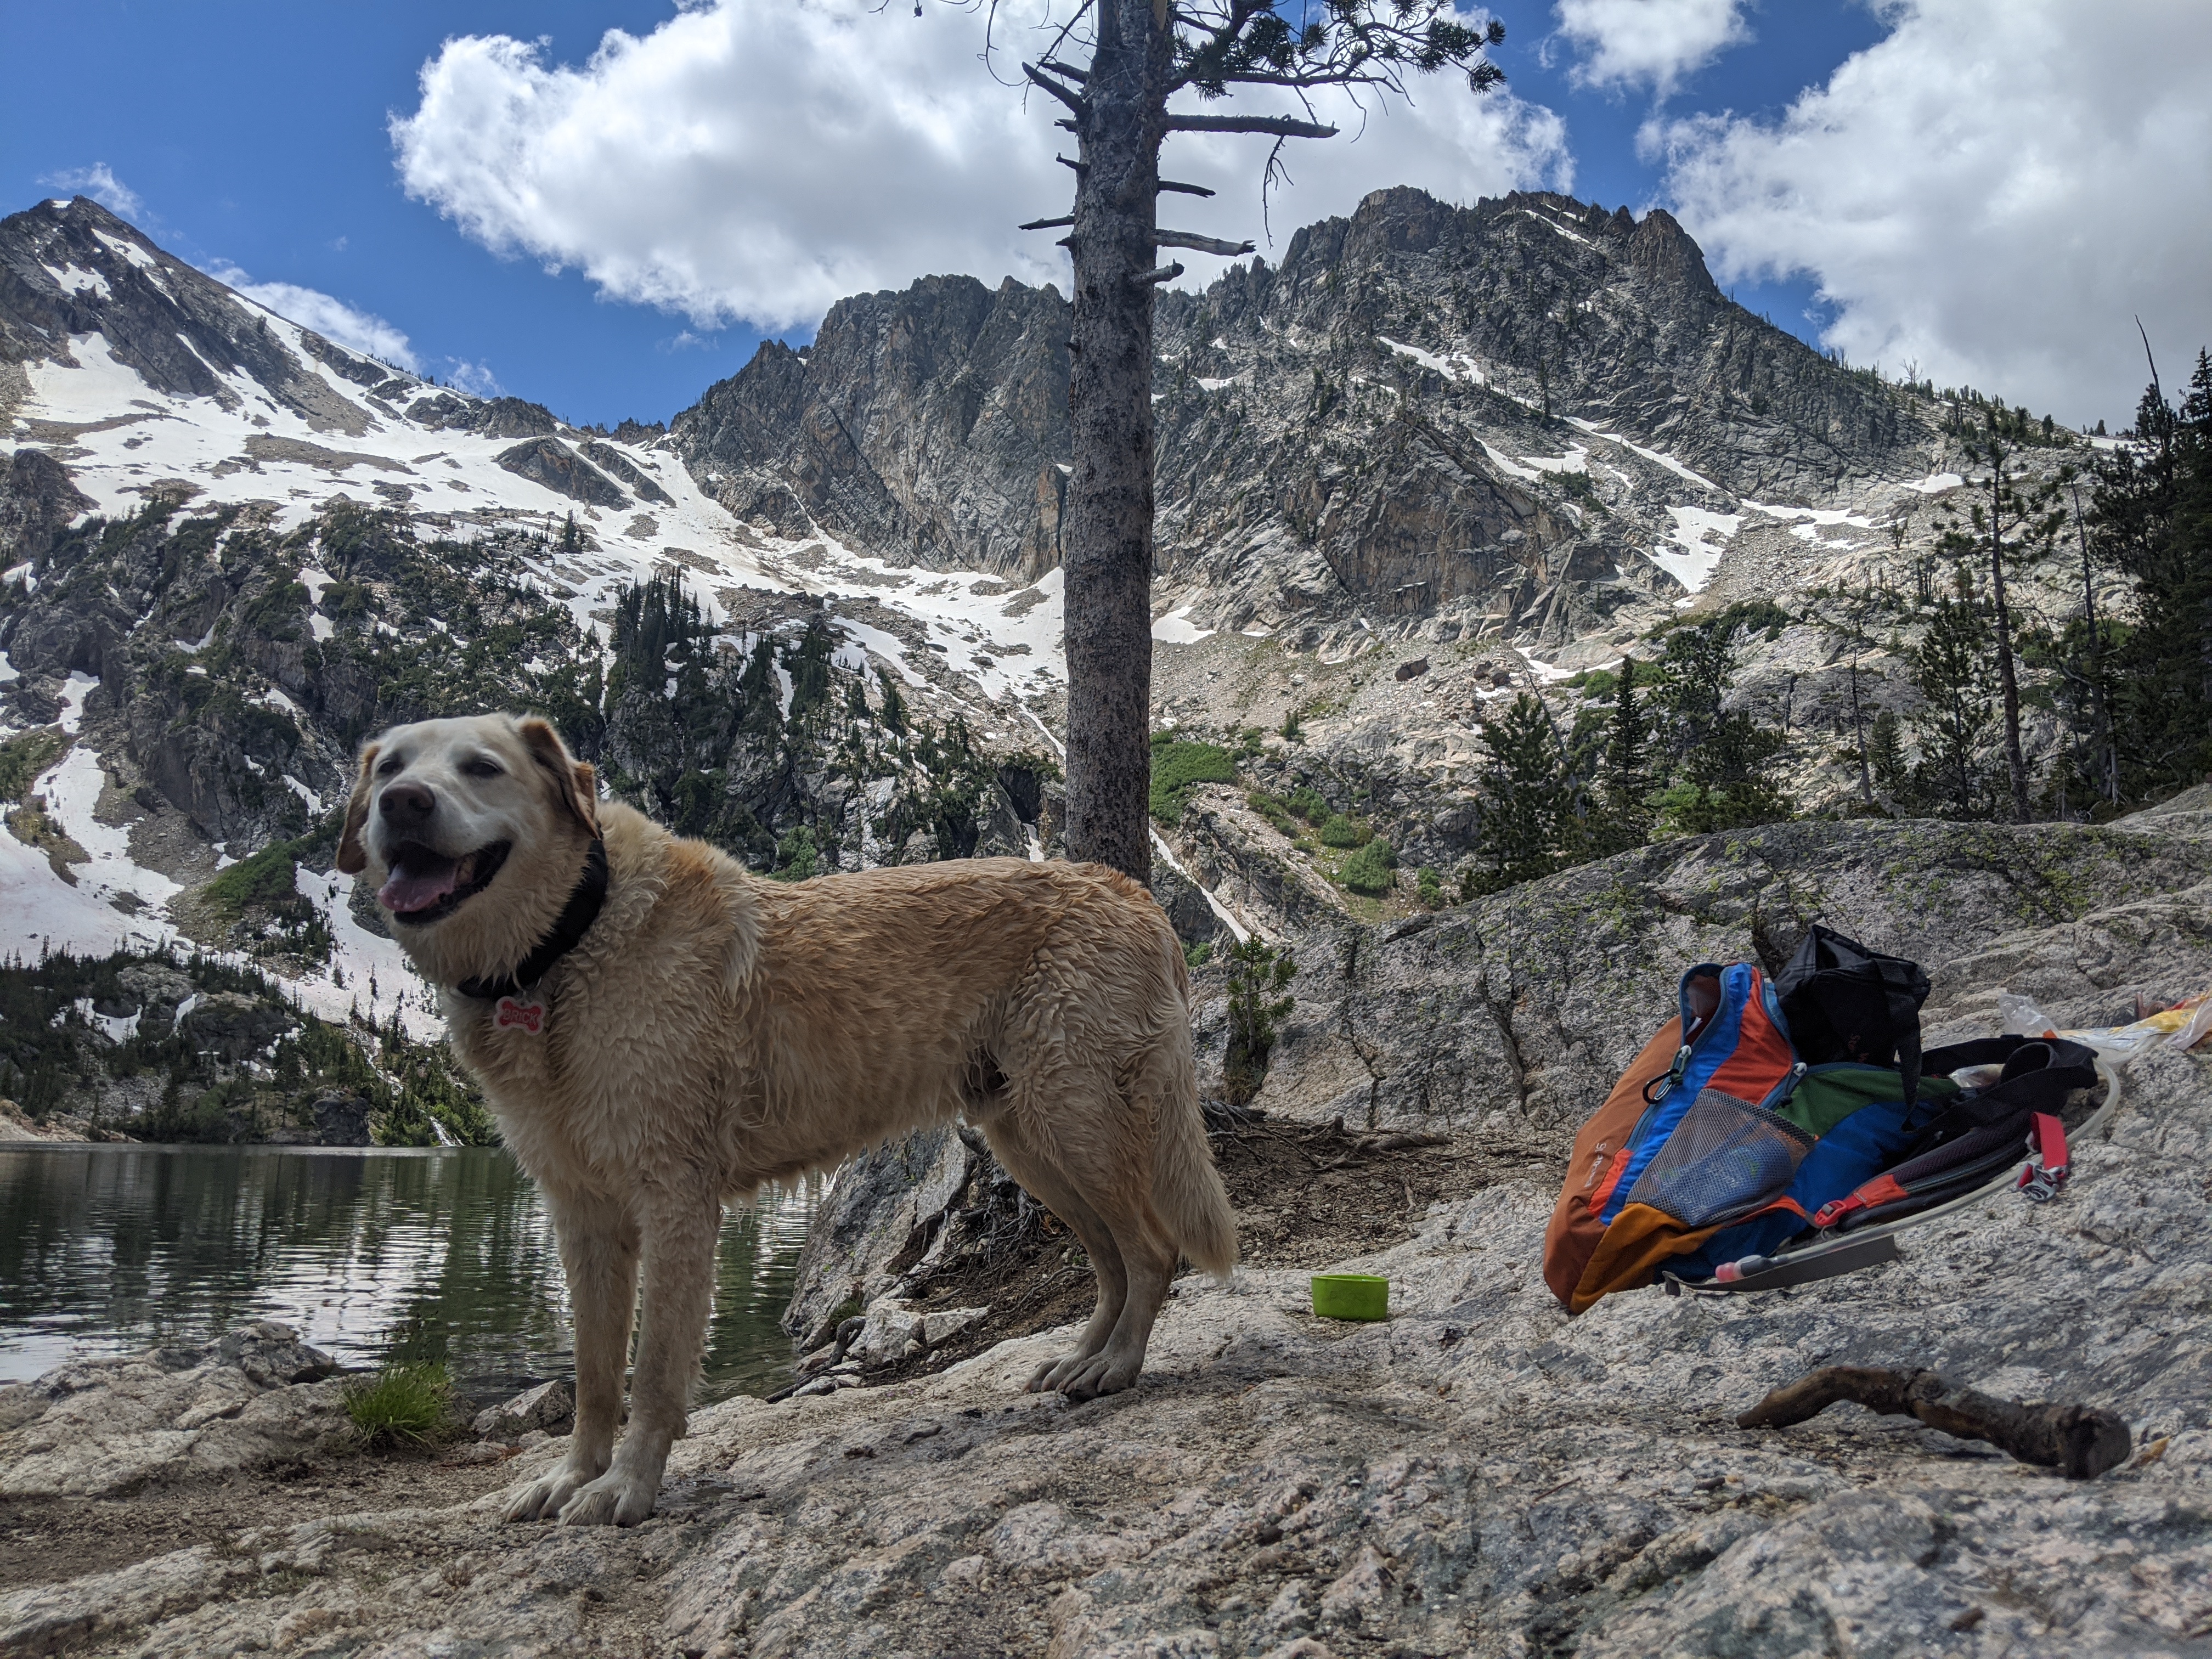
353, 857
576, 785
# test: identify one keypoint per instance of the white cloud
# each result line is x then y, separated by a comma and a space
98, 181
475, 379
329, 316
760, 159
1650, 43
1995, 189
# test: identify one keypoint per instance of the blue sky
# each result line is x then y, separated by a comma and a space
256, 134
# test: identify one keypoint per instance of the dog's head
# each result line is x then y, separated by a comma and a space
474, 832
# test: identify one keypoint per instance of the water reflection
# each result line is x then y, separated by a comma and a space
375, 1257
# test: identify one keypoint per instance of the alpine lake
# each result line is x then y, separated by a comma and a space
378, 1256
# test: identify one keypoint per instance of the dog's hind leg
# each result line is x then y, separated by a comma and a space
680, 1224
1036, 1172
598, 1242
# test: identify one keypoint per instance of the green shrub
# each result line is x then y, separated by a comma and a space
1259, 976
21, 759
402, 1405
1272, 810
1342, 831
1432, 887
1307, 803
1198, 954
268, 878
1367, 870
797, 855
1179, 768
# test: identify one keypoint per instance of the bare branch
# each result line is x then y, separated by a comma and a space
1282, 126
1037, 77
1068, 69
1045, 224
1080, 167
1166, 273
1202, 244
2083, 1441
1184, 189
1069, 125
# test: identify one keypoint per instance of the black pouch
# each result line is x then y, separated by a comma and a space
1844, 1002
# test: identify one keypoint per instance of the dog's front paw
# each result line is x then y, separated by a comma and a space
542, 1499
619, 1498
1102, 1374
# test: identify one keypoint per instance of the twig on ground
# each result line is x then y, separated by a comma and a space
2083, 1441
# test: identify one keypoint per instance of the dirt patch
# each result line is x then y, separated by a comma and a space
45, 1539
1305, 1196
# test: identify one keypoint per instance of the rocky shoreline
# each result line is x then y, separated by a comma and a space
1481, 1474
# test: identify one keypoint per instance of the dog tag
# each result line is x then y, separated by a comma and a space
529, 1015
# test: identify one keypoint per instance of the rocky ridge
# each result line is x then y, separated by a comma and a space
1434, 457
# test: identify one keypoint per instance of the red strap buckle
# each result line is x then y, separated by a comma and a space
2049, 1165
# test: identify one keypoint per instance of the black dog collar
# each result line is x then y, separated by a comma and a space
574, 921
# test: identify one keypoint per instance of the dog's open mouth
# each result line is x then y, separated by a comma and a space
425, 886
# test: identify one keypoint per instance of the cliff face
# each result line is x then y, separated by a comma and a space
927, 427
1481, 411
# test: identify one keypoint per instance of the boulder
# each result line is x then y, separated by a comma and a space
548, 1407
885, 1203
259, 1398
341, 1120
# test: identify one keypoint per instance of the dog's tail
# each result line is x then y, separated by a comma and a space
1187, 1189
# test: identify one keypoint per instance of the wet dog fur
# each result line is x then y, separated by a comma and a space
712, 1031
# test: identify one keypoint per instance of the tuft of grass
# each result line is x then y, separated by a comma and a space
402, 1405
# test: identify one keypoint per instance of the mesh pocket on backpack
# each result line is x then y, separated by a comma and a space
1725, 1159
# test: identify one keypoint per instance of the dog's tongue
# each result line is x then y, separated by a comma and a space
419, 879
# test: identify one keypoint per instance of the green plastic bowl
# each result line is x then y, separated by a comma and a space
1350, 1296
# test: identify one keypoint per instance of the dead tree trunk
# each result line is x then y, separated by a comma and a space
1108, 552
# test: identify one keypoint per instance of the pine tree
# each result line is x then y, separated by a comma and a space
1848, 617
2152, 517
1724, 761
1627, 765
1951, 669
1892, 775
2016, 528
1529, 823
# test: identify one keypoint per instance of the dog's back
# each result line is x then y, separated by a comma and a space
1050, 998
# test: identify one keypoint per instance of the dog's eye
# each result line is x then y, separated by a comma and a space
483, 768
390, 767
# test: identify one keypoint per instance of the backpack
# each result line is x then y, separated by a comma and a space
1723, 1138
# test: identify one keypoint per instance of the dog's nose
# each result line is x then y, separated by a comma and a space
406, 803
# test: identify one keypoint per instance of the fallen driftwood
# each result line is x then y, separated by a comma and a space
2083, 1441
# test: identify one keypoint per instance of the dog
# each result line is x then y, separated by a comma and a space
659, 1031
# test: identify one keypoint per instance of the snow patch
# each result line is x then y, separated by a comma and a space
72, 701
74, 280
1177, 628
1700, 537
1657, 457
